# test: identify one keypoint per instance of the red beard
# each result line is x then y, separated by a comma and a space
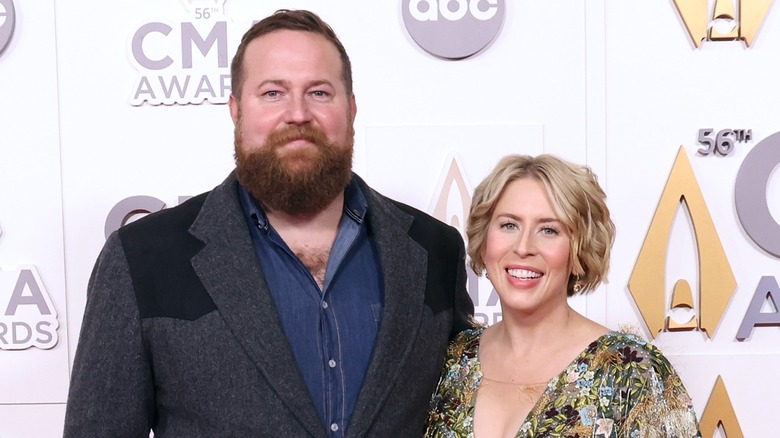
301, 182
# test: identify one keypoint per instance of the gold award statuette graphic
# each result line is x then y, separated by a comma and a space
719, 412
716, 281
740, 23
451, 205
648, 279
453, 201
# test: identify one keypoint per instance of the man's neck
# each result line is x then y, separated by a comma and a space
323, 220
310, 237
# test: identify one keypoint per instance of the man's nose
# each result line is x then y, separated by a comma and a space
297, 111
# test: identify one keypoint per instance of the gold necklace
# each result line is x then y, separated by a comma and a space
519, 385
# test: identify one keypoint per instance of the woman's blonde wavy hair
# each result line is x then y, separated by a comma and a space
578, 200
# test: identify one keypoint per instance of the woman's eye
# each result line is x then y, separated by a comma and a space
508, 226
550, 231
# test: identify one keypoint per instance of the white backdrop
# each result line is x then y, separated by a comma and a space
615, 84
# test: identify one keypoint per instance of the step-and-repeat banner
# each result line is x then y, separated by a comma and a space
111, 110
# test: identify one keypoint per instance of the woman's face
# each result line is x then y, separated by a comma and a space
527, 249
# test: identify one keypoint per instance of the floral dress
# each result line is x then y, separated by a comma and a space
619, 386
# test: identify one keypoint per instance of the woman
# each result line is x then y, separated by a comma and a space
540, 230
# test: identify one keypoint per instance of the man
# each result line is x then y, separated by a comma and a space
292, 300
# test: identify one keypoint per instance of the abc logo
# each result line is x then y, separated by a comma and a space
453, 29
7, 20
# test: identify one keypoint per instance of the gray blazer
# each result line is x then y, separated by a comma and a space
181, 336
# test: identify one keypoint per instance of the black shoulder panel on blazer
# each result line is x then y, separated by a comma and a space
442, 243
158, 249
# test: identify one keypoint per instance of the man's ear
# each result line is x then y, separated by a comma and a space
233, 104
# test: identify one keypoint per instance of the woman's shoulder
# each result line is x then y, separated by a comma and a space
468, 335
465, 342
617, 340
639, 370
628, 348
638, 364
461, 368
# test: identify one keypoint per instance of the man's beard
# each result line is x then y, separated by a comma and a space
301, 182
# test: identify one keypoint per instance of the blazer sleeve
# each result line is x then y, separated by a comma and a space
463, 314
111, 390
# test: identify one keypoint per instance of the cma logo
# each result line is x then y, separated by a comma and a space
716, 279
7, 23
453, 29
28, 317
183, 63
451, 205
721, 20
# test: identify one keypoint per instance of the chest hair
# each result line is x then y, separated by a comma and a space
316, 261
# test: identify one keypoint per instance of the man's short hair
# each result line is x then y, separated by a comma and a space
286, 19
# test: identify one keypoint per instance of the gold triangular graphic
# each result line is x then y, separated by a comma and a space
720, 412
453, 180
694, 15
751, 16
724, 10
648, 279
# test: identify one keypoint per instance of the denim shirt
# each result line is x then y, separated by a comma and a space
331, 331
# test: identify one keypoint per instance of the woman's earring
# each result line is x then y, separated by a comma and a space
577, 285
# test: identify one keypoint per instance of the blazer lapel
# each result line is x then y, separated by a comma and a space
404, 269
231, 274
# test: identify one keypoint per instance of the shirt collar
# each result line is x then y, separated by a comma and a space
355, 205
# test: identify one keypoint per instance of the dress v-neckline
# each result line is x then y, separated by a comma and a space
550, 383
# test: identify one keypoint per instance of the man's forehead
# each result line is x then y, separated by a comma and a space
283, 40
286, 55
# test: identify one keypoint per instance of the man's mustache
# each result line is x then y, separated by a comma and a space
309, 133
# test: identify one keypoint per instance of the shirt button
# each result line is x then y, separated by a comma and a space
334, 427
332, 363
324, 305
